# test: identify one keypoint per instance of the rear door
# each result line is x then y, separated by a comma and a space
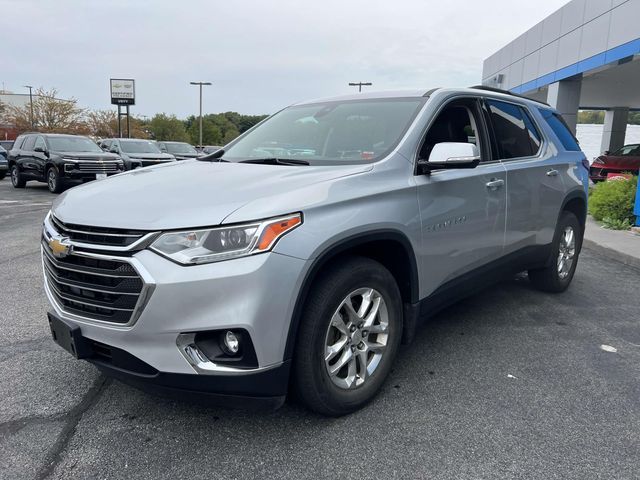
535, 189
462, 211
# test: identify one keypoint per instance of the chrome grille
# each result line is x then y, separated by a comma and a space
93, 287
98, 167
88, 280
97, 235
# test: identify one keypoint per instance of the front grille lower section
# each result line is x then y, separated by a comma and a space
99, 167
107, 290
97, 235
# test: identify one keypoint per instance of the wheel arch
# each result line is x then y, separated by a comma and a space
576, 203
391, 248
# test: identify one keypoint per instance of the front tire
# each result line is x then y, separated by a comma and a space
17, 179
54, 182
349, 336
565, 250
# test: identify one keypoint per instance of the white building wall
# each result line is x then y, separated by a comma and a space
576, 32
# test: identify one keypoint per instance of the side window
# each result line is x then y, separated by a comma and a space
515, 132
560, 128
19, 142
29, 143
457, 122
40, 143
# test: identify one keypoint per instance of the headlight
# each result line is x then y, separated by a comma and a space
193, 247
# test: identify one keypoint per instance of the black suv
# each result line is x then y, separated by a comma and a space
59, 160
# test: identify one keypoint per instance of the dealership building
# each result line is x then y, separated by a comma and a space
584, 56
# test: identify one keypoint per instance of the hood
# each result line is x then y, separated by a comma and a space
612, 161
145, 156
88, 155
186, 194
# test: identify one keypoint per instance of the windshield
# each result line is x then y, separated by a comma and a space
628, 151
73, 144
139, 146
179, 148
355, 131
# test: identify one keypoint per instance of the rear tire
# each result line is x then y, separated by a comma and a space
565, 250
349, 336
54, 182
17, 180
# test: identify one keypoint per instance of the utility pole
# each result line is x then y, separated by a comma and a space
360, 85
200, 84
30, 104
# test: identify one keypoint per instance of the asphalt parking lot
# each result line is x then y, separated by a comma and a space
510, 383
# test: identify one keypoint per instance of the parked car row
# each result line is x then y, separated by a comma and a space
62, 160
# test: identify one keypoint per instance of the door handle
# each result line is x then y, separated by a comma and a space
495, 184
552, 173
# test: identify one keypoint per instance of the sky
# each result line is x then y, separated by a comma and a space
260, 55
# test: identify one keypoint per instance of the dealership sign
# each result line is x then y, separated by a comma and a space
123, 91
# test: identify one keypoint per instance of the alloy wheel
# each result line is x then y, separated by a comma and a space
52, 179
566, 252
356, 338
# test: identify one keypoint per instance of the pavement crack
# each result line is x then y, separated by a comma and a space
55, 454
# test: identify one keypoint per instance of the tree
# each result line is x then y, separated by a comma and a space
50, 114
168, 127
104, 124
211, 134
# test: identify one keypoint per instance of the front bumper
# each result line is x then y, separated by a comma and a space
255, 293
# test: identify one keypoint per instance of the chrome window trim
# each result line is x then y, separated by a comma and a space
140, 244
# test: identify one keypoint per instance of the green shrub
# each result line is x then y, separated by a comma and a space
613, 200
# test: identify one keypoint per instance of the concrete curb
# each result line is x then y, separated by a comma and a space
611, 253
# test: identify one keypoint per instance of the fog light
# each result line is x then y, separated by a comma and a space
231, 343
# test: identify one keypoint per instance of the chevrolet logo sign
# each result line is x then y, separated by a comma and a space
59, 247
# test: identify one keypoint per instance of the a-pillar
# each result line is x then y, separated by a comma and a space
615, 129
564, 96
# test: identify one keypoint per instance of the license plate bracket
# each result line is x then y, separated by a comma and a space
101, 176
69, 337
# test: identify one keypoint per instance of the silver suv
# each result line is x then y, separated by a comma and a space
300, 257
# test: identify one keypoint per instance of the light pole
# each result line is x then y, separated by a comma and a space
200, 84
360, 85
30, 104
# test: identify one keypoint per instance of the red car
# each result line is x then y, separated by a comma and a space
624, 160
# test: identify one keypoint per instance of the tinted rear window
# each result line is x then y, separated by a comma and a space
559, 127
514, 130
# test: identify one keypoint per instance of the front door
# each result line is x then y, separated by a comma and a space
463, 211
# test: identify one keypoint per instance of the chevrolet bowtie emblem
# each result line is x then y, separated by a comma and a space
59, 247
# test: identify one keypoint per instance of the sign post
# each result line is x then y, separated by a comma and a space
123, 92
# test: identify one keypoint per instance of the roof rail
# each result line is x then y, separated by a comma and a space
506, 92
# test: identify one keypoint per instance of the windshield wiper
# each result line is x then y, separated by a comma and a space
275, 161
213, 157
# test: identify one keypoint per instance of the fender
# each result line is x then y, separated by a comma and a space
331, 252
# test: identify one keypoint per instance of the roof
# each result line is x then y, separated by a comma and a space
476, 91
368, 95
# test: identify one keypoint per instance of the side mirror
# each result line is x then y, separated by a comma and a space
40, 150
114, 149
448, 155
606, 152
